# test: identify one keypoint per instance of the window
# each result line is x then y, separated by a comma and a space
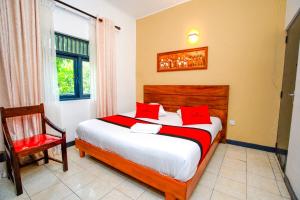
73, 67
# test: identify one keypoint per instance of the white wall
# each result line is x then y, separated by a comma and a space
73, 112
293, 160
292, 7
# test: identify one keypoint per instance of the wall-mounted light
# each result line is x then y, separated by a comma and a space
193, 36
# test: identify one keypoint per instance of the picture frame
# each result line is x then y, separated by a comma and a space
182, 60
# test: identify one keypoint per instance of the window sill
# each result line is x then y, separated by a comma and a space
74, 99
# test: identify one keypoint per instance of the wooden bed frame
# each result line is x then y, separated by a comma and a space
171, 97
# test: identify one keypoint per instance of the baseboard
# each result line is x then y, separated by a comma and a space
71, 143
251, 145
289, 187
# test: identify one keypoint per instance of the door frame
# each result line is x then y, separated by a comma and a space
277, 150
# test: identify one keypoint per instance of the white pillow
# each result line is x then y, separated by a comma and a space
162, 111
179, 112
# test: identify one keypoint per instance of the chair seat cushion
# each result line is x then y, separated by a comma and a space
34, 141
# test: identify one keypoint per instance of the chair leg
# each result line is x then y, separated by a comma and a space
46, 156
8, 167
17, 176
64, 156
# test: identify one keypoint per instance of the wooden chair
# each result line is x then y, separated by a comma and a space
28, 146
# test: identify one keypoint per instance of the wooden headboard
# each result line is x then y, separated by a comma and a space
174, 96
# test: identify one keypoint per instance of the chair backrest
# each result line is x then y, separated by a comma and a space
18, 112
22, 111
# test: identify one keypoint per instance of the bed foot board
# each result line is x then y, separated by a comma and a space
81, 153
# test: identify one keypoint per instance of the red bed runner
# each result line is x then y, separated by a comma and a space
199, 136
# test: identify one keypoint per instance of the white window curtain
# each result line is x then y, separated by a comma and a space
93, 67
50, 83
105, 74
20, 59
50, 86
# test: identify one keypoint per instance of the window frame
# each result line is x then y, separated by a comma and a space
78, 59
78, 82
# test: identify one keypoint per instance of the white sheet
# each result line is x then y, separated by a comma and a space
171, 156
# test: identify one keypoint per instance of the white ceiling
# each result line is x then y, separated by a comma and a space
143, 8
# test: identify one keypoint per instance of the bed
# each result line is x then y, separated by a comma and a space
171, 165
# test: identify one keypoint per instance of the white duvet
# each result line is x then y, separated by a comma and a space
175, 157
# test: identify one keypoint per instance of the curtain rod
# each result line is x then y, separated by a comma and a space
83, 12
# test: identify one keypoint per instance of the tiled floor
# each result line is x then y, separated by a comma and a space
233, 173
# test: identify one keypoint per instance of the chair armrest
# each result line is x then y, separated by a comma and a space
52, 125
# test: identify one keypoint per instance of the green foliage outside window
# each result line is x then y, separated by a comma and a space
65, 73
86, 77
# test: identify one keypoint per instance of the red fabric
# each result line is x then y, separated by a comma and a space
201, 137
195, 115
34, 141
147, 111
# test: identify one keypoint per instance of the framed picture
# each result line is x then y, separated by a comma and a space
188, 59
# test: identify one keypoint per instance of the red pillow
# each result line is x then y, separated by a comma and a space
195, 115
147, 111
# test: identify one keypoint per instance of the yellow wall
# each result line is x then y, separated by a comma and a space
246, 50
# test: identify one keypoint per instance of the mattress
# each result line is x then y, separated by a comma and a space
172, 156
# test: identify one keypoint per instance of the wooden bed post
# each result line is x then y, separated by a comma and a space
81, 153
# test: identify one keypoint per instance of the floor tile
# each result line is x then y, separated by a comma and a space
266, 184
278, 176
100, 169
234, 164
95, 190
214, 164
230, 187
55, 192
30, 169
236, 148
216, 195
131, 188
275, 166
233, 174
221, 149
257, 194
73, 168
113, 178
79, 180
256, 153
86, 162
201, 193
283, 190
261, 171
54, 166
38, 182
149, 195
271, 156
235, 154
258, 163
225, 178
116, 195
72, 197
8, 192
208, 179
